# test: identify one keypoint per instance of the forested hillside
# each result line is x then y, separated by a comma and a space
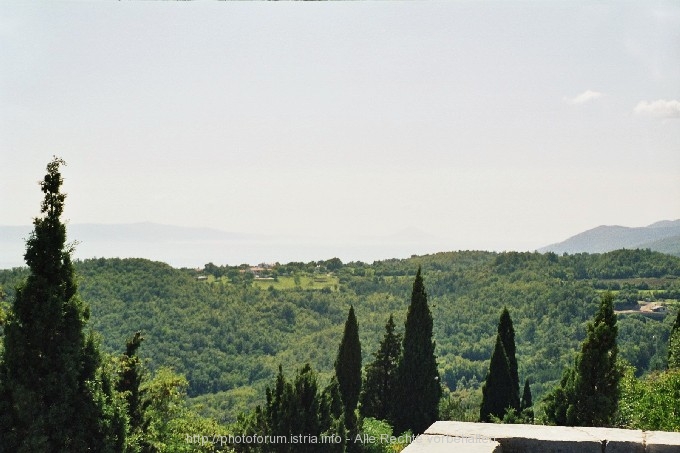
229, 332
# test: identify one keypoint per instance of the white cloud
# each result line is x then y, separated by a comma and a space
586, 96
659, 109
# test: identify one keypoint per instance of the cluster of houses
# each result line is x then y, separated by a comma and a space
261, 271
648, 309
653, 308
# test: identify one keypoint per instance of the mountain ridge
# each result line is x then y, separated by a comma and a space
662, 236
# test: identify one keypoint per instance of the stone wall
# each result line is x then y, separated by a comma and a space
461, 437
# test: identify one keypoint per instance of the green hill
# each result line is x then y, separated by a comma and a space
229, 332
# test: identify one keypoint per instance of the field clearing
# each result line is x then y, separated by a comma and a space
652, 282
316, 282
643, 294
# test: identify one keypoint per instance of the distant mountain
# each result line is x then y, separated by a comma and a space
663, 236
669, 245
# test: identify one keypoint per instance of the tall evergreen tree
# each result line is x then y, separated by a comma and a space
298, 409
348, 370
278, 410
674, 345
501, 389
419, 389
526, 404
507, 333
526, 397
378, 396
129, 385
305, 407
52, 397
588, 393
332, 416
498, 390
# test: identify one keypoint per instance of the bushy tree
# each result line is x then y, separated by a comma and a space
378, 397
3, 311
588, 393
419, 389
650, 403
297, 409
170, 422
53, 397
674, 345
131, 377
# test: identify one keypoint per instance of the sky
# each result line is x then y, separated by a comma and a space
472, 125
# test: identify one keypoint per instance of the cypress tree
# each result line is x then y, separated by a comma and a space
526, 397
348, 370
419, 390
507, 333
588, 393
501, 389
526, 405
674, 345
498, 389
52, 396
378, 395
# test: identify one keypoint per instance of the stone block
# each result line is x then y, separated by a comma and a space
524, 438
662, 442
427, 443
617, 440
489, 437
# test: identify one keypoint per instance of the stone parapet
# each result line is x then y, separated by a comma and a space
434, 443
462, 437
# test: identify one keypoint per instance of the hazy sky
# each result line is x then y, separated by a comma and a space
488, 125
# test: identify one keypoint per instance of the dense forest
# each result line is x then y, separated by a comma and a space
229, 335
217, 340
